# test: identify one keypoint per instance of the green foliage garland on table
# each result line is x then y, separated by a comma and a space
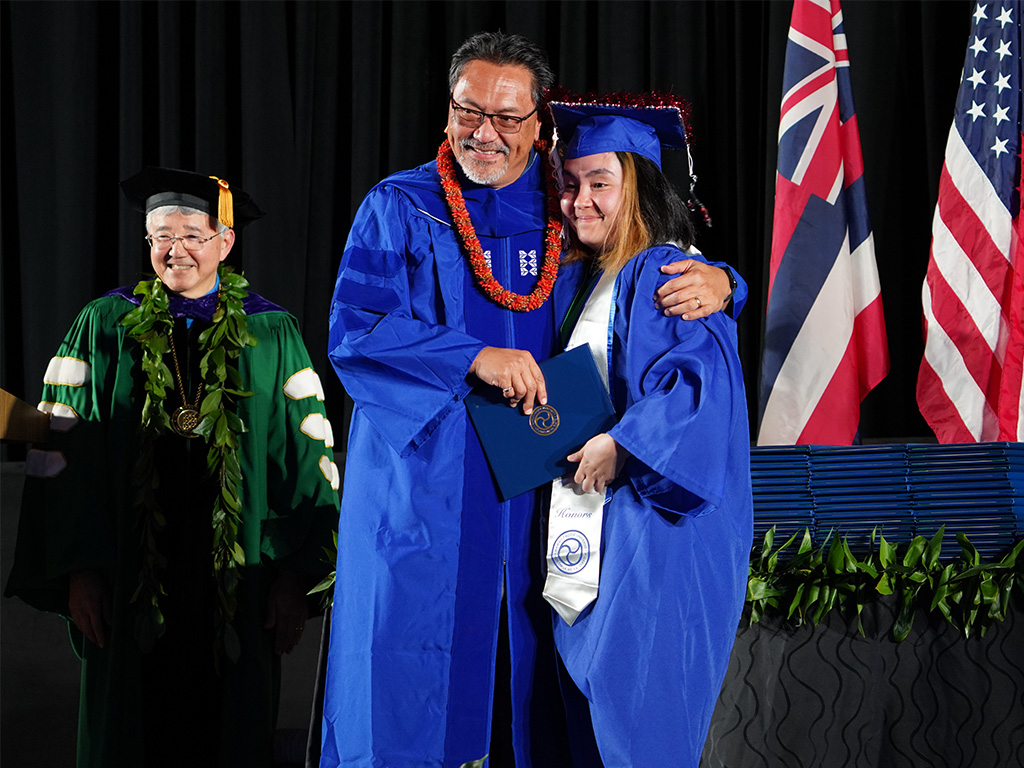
804, 586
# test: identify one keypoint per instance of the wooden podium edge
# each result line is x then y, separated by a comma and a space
20, 422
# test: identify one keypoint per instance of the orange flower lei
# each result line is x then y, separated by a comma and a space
474, 251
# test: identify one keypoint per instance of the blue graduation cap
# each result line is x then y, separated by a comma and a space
623, 122
602, 125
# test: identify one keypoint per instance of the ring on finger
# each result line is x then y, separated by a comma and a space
506, 389
699, 302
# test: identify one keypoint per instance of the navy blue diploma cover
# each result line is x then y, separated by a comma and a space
527, 451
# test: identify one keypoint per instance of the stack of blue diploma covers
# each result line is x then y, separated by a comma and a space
525, 452
903, 491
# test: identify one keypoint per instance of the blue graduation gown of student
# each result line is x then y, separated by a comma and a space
652, 650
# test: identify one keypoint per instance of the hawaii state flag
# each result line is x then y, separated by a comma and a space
969, 383
825, 344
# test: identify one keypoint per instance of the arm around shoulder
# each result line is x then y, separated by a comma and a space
701, 288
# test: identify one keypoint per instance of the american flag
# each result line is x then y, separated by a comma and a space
969, 384
825, 344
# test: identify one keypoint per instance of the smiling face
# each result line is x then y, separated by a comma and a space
486, 156
591, 194
188, 273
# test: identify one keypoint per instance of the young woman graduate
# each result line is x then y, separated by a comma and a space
670, 481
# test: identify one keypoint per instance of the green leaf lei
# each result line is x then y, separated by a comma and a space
150, 324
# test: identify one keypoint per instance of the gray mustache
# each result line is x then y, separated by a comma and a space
472, 144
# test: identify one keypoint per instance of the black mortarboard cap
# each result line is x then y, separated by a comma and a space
156, 187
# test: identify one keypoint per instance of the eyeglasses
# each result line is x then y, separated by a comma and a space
474, 118
188, 242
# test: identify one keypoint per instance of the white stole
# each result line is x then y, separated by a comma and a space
574, 519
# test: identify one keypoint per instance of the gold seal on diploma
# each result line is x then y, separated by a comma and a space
544, 420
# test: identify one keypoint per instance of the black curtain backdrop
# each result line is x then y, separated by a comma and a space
307, 104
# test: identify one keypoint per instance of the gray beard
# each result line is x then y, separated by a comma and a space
481, 179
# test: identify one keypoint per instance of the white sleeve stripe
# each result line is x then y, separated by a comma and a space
317, 427
46, 464
67, 371
330, 471
302, 384
62, 417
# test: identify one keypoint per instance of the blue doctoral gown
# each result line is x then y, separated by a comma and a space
426, 551
651, 652
425, 548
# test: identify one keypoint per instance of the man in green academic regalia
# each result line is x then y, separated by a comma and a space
179, 512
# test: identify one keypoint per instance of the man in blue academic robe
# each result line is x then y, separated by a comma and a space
433, 568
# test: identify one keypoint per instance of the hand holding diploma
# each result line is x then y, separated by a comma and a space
600, 461
515, 372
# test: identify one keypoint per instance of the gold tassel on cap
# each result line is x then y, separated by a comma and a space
225, 206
